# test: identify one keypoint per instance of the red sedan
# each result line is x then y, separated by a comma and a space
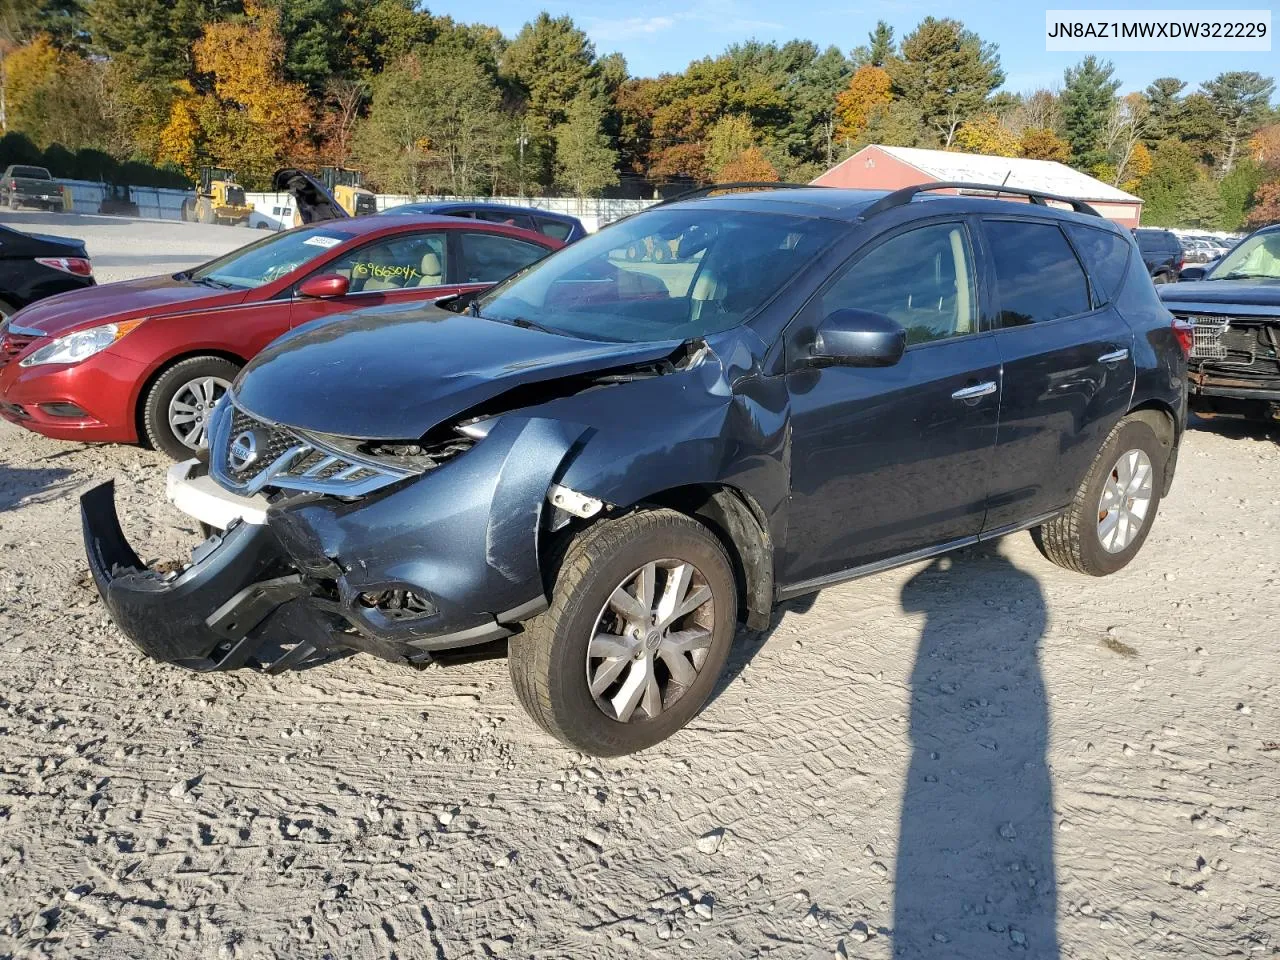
146, 360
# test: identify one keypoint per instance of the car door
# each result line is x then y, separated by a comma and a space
1068, 366
403, 268
890, 460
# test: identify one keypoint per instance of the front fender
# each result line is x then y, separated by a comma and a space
465, 535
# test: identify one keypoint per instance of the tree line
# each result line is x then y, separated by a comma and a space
426, 104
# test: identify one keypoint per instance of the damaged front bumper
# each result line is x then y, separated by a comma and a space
444, 561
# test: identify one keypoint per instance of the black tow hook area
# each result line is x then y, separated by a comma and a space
208, 617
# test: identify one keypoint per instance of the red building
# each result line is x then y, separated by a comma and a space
888, 168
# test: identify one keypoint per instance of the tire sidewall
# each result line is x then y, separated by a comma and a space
568, 687
1132, 435
156, 412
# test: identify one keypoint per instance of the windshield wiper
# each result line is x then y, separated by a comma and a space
221, 284
532, 325
1244, 276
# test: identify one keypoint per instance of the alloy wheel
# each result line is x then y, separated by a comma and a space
190, 408
1125, 500
651, 640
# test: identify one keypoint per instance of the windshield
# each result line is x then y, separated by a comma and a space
1255, 258
668, 274
270, 258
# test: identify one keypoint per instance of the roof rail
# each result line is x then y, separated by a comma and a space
1038, 197
738, 185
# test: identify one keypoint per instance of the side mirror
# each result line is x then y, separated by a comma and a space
858, 338
1192, 273
324, 286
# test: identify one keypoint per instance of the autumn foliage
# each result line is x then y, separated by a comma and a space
870, 88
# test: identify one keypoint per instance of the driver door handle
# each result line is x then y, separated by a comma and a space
975, 391
1115, 356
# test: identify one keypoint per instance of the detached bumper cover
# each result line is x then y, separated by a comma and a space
445, 561
204, 617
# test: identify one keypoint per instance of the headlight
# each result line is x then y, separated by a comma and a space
81, 345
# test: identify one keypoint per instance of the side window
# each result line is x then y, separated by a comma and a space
555, 229
490, 257
1038, 277
502, 216
407, 260
1107, 256
923, 279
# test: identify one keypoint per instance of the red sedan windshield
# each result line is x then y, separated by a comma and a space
270, 258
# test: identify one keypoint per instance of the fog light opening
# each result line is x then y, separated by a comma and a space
398, 604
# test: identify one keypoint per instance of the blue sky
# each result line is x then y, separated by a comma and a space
664, 35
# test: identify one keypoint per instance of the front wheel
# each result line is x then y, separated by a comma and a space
642, 615
175, 414
1114, 507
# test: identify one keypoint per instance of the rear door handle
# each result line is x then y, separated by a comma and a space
1115, 356
977, 390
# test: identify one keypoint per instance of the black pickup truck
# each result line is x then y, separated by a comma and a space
33, 186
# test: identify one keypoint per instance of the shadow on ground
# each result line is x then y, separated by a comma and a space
975, 865
19, 485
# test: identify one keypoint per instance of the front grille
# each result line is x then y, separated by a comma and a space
1207, 342
286, 460
12, 344
278, 442
1226, 341
235, 197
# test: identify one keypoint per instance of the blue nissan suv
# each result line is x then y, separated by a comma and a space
610, 460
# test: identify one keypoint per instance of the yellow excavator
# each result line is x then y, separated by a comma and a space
347, 187
219, 199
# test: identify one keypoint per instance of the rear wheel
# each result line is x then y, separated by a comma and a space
642, 615
1162, 278
176, 410
1114, 508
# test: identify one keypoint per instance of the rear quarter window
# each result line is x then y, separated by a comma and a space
1106, 256
555, 228
1038, 277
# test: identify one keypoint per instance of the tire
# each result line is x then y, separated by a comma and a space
1162, 278
156, 425
1074, 540
549, 660
14, 202
7, 309
188, 211
205, 215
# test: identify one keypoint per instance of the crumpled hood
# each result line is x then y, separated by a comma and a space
393, 373
1213, 294
120, 301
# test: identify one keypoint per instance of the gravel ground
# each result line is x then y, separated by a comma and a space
975, 757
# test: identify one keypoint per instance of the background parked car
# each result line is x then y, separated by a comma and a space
148, 359
1161, 252
559, 225
1234, 368
1198, 250
34, 266
28, 186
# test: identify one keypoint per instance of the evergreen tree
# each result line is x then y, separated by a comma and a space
947, 73
1088, 99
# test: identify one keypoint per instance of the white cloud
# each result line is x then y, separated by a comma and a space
630, 27
719, 16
